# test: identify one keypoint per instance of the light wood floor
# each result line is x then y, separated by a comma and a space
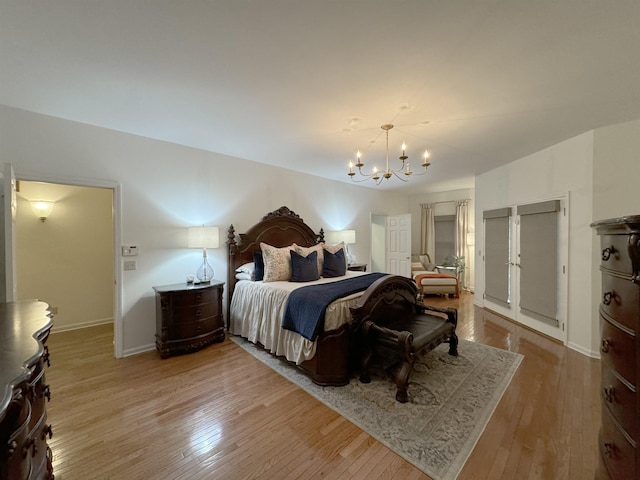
220, 413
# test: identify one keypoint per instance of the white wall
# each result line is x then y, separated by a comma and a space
565, 167
166, 188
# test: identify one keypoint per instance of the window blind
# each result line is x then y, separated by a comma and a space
497, 232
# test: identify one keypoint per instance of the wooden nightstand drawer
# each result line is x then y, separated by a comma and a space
173, 316
188, 298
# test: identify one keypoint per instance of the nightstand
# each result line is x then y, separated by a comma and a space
188, 317
357, 267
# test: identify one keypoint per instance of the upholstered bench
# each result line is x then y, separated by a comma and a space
394, 327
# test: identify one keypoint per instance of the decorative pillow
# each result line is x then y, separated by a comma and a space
305, 251
426, 263
334, 264
304, 269
258, 263
336, 248
277, 263
243, 276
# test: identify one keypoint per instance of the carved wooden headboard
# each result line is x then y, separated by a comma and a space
279, 228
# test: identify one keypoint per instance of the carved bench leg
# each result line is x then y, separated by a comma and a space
401, 379
453, 344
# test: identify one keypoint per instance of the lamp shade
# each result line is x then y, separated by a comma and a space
346, 236
203, 237
42, 208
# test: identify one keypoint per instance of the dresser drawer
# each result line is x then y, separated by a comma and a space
189, 314
620, 400
617, 350
618, 454
620, 300
614, 253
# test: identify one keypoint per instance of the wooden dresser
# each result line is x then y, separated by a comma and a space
188, 317
620, 345
24, 329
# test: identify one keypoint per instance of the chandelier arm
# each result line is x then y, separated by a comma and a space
399, 177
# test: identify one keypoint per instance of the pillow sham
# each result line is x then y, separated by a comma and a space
335, 248
305, 251
304, 269
258, 264
277, 263
334, 264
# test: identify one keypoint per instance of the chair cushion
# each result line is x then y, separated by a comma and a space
424, 328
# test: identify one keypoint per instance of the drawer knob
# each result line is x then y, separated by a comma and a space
607, 297
607, 252
608, 393
198, 313
604, 348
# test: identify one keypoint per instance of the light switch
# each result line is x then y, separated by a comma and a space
130, 265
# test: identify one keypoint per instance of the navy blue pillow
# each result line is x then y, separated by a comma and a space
304, 269
334, 264
258, 266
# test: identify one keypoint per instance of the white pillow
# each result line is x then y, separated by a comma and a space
244, 276
247, 269
277, 263
305, 251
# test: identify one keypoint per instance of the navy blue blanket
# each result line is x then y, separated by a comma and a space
304, 312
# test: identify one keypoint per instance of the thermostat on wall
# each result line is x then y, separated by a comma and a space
130, 251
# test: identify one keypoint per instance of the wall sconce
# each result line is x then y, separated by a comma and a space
346, 236
42, 208
203, 237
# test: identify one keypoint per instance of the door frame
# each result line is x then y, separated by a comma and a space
118, 328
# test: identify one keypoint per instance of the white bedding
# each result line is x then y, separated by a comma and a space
257, 309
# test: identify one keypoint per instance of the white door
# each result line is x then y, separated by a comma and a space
399, 245
8, 285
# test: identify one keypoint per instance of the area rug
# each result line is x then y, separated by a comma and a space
450, 402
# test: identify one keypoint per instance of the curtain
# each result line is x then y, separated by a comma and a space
462, 228
428, 232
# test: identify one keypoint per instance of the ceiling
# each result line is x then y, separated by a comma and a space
303, 84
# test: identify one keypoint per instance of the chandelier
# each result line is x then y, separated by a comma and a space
377, 175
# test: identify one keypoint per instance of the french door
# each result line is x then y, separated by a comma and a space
526, 258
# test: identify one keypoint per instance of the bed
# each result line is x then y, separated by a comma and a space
256, 308
430, 280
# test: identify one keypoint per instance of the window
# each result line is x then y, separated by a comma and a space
445, 236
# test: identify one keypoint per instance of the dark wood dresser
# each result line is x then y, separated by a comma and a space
188, 317
24, 329
620, 345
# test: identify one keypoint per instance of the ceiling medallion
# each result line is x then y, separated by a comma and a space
377, 175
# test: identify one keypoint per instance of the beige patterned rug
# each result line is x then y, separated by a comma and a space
450, 402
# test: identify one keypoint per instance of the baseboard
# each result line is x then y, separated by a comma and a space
135, 351
76, 326
584, 351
